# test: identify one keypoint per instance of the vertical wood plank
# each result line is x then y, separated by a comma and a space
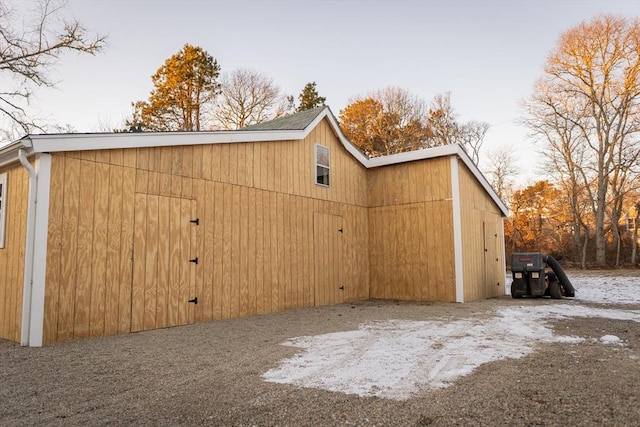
267, 282
114, 232
217, 161
152, 235
82, 298
251, 255
275, 256
198, 212
197, 161
126, 250
139, 263
250, 164
176, 161
241, 149
175, 262
259, 243
192, 229
218, 250
100, 243
187, 160
116, 157
208, 252
183, 259
207, 153
235, 252
243, 259
226, 250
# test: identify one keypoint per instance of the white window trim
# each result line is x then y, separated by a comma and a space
3, 208
315, 165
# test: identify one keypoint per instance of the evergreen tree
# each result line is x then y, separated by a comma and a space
309, 98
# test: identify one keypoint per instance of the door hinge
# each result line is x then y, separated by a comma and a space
195, 221
195, 260
341, 230
341, 288
194, 301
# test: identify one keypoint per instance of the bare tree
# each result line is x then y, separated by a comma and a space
502, 169
28, 51
443, 127
587, 107
248, 97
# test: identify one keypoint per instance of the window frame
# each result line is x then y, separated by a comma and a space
317, 165
3, 207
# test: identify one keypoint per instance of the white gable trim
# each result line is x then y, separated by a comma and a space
101, 141
457, 229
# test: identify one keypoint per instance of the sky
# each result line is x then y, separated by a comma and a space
487, 54
396, 359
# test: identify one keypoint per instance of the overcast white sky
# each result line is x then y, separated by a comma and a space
486, 53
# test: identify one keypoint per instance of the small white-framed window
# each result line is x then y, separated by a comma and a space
322, 165
3, 206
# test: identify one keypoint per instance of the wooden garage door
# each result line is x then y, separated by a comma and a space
327, 236
164, 262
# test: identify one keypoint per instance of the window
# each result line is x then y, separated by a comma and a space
322, 165
3, 206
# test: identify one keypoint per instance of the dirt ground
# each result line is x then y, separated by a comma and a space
210, 374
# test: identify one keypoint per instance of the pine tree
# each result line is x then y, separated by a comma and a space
309, 98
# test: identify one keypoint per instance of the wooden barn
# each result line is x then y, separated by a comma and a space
112, 233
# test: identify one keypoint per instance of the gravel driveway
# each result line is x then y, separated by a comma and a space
211, 374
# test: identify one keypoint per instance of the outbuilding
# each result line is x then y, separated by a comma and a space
112, 233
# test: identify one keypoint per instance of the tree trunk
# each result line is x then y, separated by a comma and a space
601, 243
583, 261
634, 243
616, 239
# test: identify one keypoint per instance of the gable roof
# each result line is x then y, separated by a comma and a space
291, 128
296, 121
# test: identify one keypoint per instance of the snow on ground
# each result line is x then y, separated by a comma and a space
397, 358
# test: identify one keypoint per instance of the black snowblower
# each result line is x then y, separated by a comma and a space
531, 279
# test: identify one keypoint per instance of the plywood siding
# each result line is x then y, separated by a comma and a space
411, 254
113, 246
413, 182
12, 255
410, 231
482, 238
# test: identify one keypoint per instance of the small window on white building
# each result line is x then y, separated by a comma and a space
322, 165
3, 206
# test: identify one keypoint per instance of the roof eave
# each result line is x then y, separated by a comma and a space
9, 152
101, 141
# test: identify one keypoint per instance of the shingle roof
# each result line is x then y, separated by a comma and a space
297, 121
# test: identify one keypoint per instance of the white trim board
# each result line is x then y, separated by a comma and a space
99, 141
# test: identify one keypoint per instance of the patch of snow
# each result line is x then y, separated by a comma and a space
611, 339
396, 359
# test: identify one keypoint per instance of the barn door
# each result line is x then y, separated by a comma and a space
327, 235
492, 267
164, 262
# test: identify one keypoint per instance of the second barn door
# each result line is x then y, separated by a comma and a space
327, 237
164, 262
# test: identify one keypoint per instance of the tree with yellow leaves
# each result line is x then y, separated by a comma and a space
586, 109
